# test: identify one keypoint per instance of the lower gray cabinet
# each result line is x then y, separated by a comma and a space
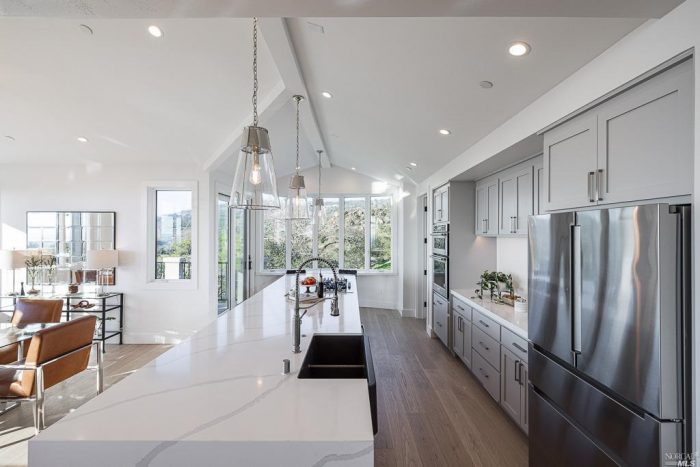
514, 387
440, 324
462, 337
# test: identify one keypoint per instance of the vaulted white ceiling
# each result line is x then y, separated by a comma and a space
185, 97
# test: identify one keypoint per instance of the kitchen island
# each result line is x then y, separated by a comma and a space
220, 398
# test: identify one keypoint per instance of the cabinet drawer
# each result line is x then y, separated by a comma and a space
487, 347
514, 343
487, 376
462, 308
489, 326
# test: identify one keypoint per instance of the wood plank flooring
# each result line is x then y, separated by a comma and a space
432, 411
17, 426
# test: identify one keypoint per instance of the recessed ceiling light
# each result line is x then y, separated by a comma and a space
155, 31
486, 84
445, 132
518, 49
353, 168
326, 94
413, 164
82, 139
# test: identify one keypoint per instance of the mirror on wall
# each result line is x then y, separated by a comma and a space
68, 235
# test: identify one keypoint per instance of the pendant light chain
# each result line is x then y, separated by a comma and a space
298, 99
255, 71
319, 172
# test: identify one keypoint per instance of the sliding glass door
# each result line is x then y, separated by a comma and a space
232, 253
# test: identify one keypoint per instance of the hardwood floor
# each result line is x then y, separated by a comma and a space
432, 411
17, 426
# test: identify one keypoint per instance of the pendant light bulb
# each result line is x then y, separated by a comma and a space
254, 182
255, 175
297, 207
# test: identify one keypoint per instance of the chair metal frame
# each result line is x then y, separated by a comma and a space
38, 397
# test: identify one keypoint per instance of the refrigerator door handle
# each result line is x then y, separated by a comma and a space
576, 288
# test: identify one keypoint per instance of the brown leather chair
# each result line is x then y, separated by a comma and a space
29, 311
55, 354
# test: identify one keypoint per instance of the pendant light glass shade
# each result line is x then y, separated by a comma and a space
254, 182
319, 211
297, 204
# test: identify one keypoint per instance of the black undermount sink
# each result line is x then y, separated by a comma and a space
342, 356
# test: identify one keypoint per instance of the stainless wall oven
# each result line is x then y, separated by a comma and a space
440, 275
440, 239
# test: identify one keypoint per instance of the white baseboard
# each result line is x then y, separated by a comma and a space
408, 313
378, 304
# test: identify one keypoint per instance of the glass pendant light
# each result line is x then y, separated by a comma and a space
255, 183
297, 207
319, 212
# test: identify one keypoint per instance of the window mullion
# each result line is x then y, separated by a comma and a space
368, 232
341, 232
288, 244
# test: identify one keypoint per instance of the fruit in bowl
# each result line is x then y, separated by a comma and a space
309, 281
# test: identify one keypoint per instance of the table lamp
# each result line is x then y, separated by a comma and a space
101, 260
12, 260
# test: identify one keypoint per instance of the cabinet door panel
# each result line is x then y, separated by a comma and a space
524, 201
457, 333
467, 354
570, 154
509, 203
492, 218
510, 385
645, 140
445, 205
539, 188
437, 206
524, 405
481, 210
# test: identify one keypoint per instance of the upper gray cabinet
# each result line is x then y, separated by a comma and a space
441, 200
486, 222
636, 146
538, 176
515, 197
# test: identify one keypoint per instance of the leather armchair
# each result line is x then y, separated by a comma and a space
31, 311
55, 354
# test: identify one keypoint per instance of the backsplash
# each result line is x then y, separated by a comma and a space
511, 258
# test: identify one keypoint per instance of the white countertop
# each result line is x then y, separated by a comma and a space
220, 395
503, 314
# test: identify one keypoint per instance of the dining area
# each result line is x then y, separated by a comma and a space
38, 351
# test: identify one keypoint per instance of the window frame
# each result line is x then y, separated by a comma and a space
180, 284
260, 269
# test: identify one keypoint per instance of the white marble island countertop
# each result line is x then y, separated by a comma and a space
505, 315
219, 398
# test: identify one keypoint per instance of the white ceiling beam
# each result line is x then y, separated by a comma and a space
268, 106
279, 43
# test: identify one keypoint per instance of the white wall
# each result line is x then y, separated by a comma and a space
375, 290
152, 315
648, 46
511, 258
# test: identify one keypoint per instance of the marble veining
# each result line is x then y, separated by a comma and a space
221, 393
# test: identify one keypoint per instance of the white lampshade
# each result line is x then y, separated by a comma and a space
12, 259
102, 259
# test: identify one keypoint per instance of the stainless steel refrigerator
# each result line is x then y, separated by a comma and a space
609, 360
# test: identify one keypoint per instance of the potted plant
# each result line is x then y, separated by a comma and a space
34, 264
50, 263
495, 282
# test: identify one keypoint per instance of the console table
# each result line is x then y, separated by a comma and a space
104, 304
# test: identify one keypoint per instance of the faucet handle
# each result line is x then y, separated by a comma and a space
335, 310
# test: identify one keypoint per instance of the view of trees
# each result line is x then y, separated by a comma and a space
354, 217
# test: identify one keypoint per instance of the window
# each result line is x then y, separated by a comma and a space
355, 232
223, 270
172, 233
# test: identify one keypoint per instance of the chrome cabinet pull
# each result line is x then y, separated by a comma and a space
515, 371
483, 345
520, 372
485, 324
515, 344
599, 185
591, 197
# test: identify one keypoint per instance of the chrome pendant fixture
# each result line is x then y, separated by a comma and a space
319, 212
297, 204
255, 183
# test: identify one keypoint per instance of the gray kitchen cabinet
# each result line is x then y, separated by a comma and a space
645, 140
441, 200
516, 199
462, 337
538, 169
638, 145
486, 222
514, 387
570, 162
440, 318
